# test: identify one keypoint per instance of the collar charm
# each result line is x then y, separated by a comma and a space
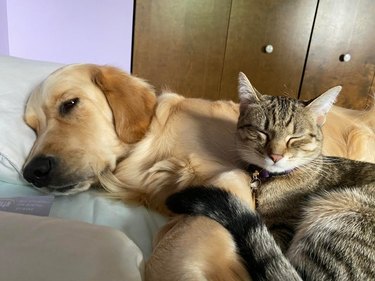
259, 175
254, 186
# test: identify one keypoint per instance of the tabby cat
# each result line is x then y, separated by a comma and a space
315, 216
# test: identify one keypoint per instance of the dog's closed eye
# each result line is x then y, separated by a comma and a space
67, 106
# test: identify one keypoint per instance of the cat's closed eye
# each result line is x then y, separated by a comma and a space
263, 135
306, 142
253, 131
291, 139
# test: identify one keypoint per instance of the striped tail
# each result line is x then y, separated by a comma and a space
259, 251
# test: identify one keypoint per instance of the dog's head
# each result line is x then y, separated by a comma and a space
85, 117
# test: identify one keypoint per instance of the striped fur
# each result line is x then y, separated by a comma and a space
316, 222
335, 240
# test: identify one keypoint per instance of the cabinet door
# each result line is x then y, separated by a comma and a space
342, 27
180, 44
286, 25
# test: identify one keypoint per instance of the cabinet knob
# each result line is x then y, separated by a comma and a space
268, 49
345, 57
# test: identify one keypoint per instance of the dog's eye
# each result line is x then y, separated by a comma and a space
68, 105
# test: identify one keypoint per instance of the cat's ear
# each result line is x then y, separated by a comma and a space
246, 92
321, 105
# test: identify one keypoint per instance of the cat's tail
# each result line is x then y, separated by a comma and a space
262, 256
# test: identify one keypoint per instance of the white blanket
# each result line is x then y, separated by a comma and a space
137, 225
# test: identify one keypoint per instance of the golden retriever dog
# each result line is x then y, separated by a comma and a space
99, 125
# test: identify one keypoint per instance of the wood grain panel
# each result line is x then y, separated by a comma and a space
180, 44
342, 26
287, 26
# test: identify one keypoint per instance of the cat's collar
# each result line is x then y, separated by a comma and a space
259, 175
263, 174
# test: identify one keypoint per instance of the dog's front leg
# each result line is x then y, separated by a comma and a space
236, 181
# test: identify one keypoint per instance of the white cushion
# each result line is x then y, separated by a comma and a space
137, 222
44, 249
17, 79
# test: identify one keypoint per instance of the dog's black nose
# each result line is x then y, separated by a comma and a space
38, 170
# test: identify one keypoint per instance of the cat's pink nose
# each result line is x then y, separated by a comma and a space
276, 157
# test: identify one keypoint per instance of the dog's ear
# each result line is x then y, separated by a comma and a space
131, 99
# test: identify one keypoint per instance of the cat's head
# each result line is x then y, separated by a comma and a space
280, 133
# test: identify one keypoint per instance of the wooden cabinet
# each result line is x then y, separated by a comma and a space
342, 27
197, 47
180, 45
286, 26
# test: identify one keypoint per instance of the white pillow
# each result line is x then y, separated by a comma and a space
17, 79
40, 248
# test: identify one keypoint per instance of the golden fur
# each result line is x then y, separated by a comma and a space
142, 149
350, 134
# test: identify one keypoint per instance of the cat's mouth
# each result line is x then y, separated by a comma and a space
279, 168
267, 174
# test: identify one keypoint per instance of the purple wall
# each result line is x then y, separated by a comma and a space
70, 31
4, 45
